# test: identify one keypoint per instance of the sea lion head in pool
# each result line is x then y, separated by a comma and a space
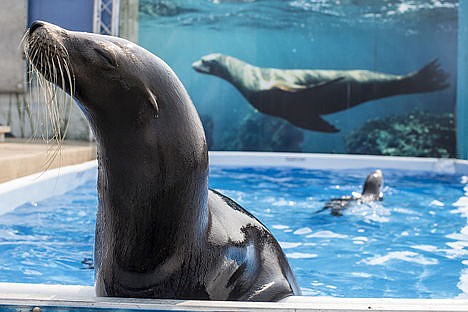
211, 64
372, 189
160, 232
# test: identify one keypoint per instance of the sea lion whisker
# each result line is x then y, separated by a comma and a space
63, 79
35, 51
53, 70
66, 99
71, 78
32, 43
39, 92
52, 101
42, 96
54, 104
31, 57
49, 93
24, 40
63, 49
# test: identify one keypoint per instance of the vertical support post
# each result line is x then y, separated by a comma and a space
115, 17
129, 20
462, 81
97, 16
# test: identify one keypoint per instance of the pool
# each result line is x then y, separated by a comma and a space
411, 245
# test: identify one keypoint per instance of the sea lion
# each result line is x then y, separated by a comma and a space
160, 233
372, 191
302, 96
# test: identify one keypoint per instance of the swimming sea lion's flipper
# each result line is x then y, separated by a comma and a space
430, 77
315, 122
294, 88
337, 205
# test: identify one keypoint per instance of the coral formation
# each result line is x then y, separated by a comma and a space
417, 134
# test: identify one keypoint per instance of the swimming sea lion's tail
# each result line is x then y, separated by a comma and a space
429, 78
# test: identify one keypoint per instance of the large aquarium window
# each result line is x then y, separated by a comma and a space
350, 76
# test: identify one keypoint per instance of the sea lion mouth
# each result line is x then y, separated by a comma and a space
200, 67
47, 56
49, 69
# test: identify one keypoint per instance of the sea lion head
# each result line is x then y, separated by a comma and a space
130, 97
210, 64
373, 185
89, 66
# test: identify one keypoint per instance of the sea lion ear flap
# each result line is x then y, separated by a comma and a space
152, 99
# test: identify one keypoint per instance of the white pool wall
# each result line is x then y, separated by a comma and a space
44, 184
53, 182
339, 161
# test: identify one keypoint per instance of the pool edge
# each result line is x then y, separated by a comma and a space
339, 161
40, 295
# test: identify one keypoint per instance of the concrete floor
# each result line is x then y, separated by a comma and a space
20, 158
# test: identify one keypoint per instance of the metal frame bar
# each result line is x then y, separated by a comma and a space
111, 8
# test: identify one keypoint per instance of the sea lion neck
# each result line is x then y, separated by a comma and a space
139, 185
141, 203
236, 72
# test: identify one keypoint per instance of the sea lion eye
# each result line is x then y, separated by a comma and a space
107, 56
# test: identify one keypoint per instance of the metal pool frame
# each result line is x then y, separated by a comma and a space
25, 297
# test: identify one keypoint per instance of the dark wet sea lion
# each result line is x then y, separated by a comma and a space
302, 96
160, 233
372, 191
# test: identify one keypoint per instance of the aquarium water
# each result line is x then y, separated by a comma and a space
413, 244
389, 36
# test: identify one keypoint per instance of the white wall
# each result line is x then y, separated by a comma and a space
13, 15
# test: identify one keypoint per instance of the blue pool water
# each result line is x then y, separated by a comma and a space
413, 244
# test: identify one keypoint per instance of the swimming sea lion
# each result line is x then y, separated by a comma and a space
372, 191
302, 96
160, 233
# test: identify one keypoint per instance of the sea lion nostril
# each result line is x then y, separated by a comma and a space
35, 25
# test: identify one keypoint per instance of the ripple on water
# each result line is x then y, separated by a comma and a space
301, 255
289, 245
303, 231
407, 256
326, 234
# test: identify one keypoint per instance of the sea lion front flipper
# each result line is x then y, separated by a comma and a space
294, 88
315, 122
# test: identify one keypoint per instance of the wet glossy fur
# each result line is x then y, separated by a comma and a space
160, 232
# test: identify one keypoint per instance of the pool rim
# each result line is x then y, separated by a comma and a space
36, 187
